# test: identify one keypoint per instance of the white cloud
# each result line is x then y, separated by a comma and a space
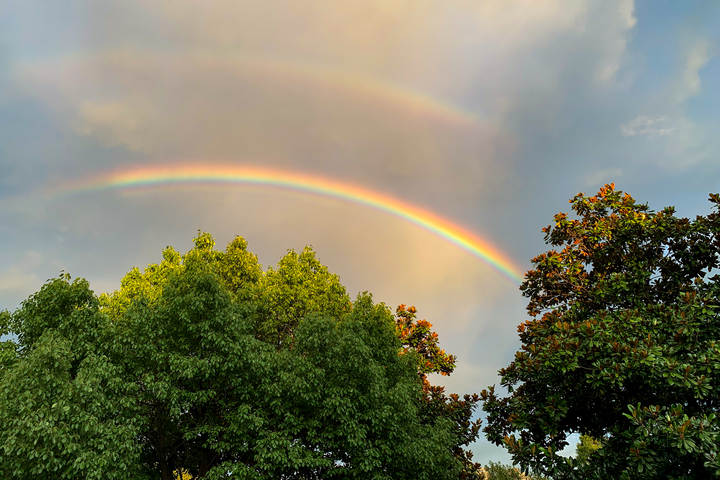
616, 41
402, 40
696, 58
652, 126
678, 142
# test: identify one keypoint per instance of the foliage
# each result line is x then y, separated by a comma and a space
207, 366
8, 348
62, 402
624, 345
298, 286
498, 471
416, 336
586, 447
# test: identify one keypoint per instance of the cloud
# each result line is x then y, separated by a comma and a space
406, 41
169, 107
652, 126
674, 143
624, 21
467, 108
696, 58
271, 83
313, 88
678, 140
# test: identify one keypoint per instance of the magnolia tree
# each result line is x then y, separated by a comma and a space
623, 345
205, 365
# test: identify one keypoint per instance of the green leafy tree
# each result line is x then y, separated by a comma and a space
298, 286
64, 408
203, 365
624, 345
8, 348
586, 447
498, 471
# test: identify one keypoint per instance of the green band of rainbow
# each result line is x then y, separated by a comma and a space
183, 174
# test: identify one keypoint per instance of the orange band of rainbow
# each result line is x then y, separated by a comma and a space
168, 175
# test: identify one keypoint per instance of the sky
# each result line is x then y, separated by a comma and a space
489, 115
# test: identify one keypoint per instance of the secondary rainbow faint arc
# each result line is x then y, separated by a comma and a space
163, 176
352, 83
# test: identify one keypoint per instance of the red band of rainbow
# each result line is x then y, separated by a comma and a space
188, 174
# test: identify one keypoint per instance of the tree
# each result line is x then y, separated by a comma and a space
417, 337
586, 447
63, 405
205, 365
623, 345
498, 471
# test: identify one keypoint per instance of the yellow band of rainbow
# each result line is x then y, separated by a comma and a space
193, 174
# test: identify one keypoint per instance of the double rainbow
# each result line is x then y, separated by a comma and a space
194, 174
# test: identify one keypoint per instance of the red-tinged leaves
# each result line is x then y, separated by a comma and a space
417, 336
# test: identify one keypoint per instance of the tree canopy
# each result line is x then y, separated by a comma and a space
623, 345
204, 364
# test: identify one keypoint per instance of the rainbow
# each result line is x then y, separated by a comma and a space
360, 85
353, 84
138, 177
